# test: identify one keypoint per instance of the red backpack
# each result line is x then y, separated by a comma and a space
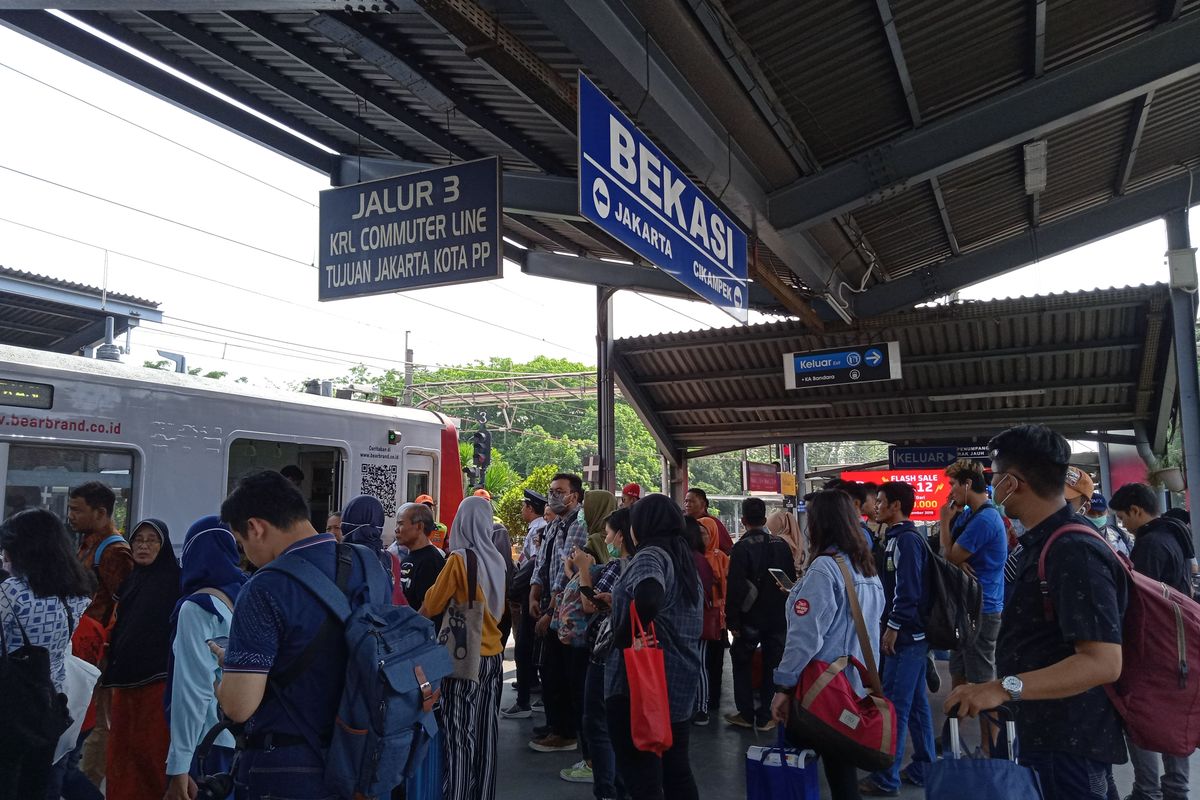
1157, 696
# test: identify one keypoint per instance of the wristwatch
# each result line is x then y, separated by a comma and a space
1014, 686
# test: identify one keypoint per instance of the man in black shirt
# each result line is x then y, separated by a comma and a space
419, 570
1054, 666
756, 621
1160, 552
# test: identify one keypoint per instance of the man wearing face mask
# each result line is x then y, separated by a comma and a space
1055, 666
1097, 514
561, 537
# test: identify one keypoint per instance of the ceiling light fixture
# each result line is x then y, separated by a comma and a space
946, 398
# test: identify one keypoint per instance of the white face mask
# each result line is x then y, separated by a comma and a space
1003, 503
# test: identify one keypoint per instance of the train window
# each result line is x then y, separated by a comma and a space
316, 468
418, 484
41, 476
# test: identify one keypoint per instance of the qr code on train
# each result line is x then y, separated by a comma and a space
379, 481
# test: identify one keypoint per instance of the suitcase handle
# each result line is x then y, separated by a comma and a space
1003, 746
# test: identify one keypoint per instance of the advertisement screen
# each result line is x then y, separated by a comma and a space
931, 486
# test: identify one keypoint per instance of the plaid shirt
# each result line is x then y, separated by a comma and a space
609, 575
563, 534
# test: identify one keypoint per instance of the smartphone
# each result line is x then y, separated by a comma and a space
782, 579
221, 642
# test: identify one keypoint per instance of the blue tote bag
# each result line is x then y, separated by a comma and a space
781, 773
1000, 777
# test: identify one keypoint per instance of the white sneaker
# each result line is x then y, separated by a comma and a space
577, 773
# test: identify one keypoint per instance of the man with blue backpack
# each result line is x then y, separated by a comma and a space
315, 638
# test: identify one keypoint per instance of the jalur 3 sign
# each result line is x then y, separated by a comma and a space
633, 192
430, 228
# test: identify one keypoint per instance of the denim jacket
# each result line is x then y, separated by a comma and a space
820, 626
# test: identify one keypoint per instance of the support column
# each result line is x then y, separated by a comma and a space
1183, 312
675, 477
605, 395
800, 453
1105, 467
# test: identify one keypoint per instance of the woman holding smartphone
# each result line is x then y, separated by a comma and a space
211, 579
820, 624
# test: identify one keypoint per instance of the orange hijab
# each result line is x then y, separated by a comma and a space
717, 560
785, 525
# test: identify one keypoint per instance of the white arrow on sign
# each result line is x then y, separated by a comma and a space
874, 357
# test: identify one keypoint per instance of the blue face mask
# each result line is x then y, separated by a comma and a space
614, 551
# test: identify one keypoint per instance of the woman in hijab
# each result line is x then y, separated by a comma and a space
137, 666
598, 506
713, 648
661, 581
785, 525
362, 523
471, 708
211, 580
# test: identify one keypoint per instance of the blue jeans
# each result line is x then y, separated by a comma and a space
1068, 777
595, 730
904, 685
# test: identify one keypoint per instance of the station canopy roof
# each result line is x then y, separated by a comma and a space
906, 148
1089, 361
63, 316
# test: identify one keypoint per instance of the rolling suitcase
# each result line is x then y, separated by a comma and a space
1001, 777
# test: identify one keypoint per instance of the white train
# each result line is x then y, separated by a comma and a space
172, 446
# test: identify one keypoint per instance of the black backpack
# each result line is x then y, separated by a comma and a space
34, 712
954, 605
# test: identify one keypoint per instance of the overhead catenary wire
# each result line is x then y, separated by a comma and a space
162, 136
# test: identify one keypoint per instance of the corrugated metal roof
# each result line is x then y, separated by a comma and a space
828, 64
1082, 361
30, 319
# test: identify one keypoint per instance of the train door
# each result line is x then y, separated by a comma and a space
316, 467
36, 475
421, 475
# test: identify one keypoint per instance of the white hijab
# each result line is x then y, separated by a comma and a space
472, 530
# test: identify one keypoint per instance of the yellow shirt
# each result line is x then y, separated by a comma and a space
452, 582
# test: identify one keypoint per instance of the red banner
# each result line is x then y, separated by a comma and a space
931, 487
760, 478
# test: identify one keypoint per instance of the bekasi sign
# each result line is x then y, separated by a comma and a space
632, 191
432, 228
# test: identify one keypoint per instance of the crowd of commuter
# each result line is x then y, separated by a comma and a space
221, 673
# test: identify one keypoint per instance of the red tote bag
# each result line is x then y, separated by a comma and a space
649, 708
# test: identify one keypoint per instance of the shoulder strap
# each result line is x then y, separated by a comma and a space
112, 538
860, 625
472, 576
1043, 584
330, 625
217, 593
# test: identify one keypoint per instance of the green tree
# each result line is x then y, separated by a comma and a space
508, 509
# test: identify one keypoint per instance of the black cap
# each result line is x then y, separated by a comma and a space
536, 501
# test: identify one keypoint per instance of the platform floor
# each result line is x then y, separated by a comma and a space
717, 754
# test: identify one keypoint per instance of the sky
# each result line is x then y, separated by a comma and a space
106, 185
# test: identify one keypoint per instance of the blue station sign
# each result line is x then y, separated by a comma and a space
431, 228
866, 363
934, 456
633, 192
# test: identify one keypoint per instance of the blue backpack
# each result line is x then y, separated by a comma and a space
112, 538
394, 669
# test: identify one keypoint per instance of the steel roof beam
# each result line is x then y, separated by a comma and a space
1166, 55
262, 26
644, 409
95, 52
1038, 67
1118, 214
235, 58
96, 303
398, 59
604, 35
88, 336
483, 37
1137, 126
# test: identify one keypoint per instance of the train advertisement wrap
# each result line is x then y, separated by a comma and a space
931, 487
431, 228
